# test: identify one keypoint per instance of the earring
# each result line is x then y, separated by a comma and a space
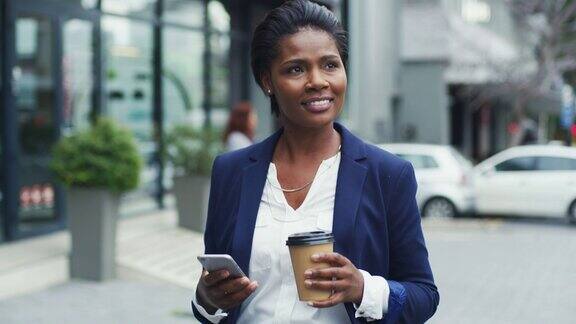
269, 92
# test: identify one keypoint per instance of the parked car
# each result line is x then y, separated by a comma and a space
442, 174
535, 180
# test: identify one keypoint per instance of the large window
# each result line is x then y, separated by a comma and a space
182, 79
34, 84
220, 47
185, 12
77, 74
88, 4
219, 62
140, 8
129, 94
219, 17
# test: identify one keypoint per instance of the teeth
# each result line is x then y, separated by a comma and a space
319, 102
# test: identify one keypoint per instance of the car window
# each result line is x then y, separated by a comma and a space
551, 163
420, 161
517, 164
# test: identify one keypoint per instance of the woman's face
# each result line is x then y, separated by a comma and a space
308, 79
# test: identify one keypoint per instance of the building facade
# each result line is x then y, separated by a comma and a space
456, 57
149, 64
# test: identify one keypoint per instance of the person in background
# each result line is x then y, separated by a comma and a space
241, 127
313, 174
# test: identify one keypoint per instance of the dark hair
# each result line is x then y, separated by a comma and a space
238, 121
288, 19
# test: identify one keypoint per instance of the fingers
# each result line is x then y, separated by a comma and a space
232, 300
335, 299
232, 286
334, 259
213, 278
326, 273
330, 285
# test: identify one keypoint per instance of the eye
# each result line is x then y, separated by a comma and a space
295, 70
332, 65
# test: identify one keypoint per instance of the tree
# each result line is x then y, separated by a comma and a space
548, 29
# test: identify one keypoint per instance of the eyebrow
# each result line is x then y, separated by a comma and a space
300, 61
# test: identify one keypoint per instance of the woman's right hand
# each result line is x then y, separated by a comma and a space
217, 290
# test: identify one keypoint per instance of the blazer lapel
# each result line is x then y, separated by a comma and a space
351, 177
253, 180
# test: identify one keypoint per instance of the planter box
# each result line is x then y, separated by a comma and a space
92, 217
192, 194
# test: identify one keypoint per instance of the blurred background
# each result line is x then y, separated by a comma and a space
476, 94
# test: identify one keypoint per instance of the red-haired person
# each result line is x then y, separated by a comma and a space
241, 126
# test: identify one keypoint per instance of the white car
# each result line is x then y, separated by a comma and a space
442, 174
535, 180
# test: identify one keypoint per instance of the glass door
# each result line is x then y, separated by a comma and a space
35, 87
52, 94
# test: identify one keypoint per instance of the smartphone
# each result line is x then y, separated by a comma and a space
214, 262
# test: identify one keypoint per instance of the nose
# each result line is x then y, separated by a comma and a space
316, 80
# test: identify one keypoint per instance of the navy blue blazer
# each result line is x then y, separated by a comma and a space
376, 221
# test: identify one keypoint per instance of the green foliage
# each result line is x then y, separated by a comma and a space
104, 156
192, 151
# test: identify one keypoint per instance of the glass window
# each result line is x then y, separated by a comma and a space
182, 79
37, 128
77, 73
88, 4
186, 12
419, 161
219, 17
220, 46
517, 164
549, 163
1, 141
128, 92
141, 8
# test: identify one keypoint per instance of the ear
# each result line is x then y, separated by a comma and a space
266, 82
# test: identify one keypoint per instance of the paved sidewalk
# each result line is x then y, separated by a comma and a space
157, 272
488, 271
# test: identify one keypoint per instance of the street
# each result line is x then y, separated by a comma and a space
494, 270
501, 270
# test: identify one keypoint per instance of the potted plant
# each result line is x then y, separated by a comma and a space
96, 165
192, 152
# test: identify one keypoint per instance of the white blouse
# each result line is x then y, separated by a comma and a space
276, 298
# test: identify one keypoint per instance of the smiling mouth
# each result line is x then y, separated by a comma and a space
318, 105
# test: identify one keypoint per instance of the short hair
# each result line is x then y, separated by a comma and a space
288, 19
239, 120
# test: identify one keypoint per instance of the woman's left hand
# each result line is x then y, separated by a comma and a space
347, 285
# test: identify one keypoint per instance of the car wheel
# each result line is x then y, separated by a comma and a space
572, 213
439, 208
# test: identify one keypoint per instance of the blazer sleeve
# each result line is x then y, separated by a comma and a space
413, 295
209, 244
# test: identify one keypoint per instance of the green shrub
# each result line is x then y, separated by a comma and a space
192, 151
104, 156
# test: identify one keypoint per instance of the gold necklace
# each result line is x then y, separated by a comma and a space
309, 183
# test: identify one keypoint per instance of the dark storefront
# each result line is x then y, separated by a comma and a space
146, 63
149, 64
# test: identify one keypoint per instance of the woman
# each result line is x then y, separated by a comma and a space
241, 126
313, 174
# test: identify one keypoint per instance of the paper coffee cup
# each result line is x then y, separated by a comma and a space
302, 246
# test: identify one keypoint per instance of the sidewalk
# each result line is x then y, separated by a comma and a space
157, 273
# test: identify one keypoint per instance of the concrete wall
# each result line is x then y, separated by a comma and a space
424, 108
373, 68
